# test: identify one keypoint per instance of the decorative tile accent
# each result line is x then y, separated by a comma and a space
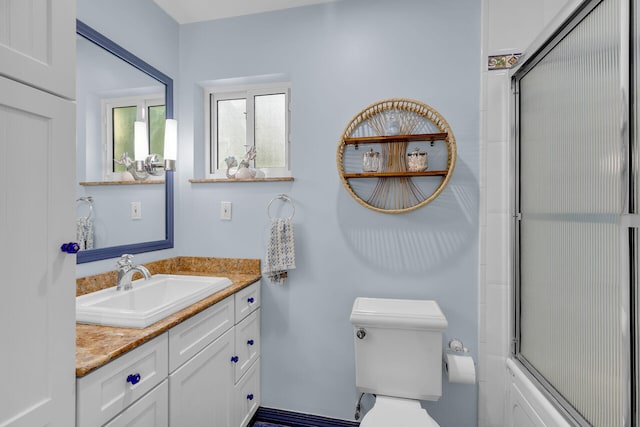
501, 62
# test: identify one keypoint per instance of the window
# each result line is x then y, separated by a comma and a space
119, 116
243, 117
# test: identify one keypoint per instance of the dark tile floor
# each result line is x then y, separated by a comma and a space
262, 424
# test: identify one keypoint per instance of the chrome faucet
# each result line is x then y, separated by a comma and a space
126, 269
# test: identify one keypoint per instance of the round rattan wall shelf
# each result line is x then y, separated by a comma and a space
394, 128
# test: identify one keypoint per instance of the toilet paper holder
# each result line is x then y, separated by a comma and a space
457, 346
458, 363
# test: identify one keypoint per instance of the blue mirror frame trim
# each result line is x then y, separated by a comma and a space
90, 255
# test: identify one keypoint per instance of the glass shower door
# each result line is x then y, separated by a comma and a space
573, 261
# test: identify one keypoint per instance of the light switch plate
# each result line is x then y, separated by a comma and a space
225, 211
136, 210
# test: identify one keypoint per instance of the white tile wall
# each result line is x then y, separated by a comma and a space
508, 26
496, 246
512, 24
498, 201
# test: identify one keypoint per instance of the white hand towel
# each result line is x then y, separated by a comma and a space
280, 250
84, 232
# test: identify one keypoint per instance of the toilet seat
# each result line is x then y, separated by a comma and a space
397, 412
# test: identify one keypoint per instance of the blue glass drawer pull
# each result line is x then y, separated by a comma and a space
250, 300
250, 396
234, 359
133, 379
250, 342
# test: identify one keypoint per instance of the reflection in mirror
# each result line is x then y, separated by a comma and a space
118, 209
111, 96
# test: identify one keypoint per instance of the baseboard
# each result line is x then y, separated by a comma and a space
297, 419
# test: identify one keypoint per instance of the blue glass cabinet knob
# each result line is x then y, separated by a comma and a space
133, 379
70, 248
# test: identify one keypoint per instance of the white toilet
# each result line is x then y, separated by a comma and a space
398, 346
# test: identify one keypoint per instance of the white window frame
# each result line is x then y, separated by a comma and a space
142, 102
247, 92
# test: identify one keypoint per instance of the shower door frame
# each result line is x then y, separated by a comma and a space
629, 220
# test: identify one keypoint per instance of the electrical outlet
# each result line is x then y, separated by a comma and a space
136, 210
225, 211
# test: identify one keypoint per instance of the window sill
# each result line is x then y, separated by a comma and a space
218, 180
149, 181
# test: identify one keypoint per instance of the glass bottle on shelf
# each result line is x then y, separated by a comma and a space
371, 161
417, 160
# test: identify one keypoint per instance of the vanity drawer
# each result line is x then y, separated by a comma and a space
150, 411
247, 396
195, 333
247, 300
104, 393
247, 342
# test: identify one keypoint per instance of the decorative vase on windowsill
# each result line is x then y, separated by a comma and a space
244, 170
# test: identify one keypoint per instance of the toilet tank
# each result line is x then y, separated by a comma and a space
398, 347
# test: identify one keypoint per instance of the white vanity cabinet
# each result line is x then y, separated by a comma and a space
215, 354
204, 371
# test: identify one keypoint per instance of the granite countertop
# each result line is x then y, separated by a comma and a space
97, 345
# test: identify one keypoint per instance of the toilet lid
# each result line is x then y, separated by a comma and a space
397, 412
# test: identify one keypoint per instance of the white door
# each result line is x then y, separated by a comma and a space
36, 44
201, 390
37, 280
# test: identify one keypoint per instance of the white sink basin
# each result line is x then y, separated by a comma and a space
148, 302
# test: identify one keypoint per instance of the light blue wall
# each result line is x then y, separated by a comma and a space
139, 26
341, 57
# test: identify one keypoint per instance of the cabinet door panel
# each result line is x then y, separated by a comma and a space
201, 390
150, 411
37, 308
37, 43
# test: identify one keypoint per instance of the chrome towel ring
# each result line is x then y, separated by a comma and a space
285, 199
88, 200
